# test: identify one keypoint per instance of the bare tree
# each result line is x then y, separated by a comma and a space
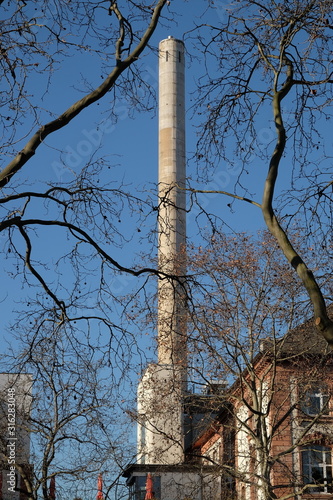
62, 238
269, 63
75, 422
48, 32
270, 380
85, 211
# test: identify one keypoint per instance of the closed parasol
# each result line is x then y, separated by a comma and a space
99, 495
149, 487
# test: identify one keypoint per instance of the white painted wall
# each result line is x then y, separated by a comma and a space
185, 485
160, 410
243, 449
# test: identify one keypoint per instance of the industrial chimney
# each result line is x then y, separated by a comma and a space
161, 390
172, 203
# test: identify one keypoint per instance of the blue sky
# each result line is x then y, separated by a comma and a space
130, 145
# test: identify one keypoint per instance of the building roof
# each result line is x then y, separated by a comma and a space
142, 469
304, 340
301, 341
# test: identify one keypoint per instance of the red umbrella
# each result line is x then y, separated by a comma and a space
99, 495
149, 488
52, 489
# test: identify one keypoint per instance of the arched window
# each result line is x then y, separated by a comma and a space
316, 401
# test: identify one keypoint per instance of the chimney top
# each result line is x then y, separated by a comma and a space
169, 38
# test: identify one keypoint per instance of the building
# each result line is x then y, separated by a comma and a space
269, 435
15, 403
273, 436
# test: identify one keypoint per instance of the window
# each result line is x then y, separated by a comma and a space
229, 458
317, 468
138, 487
315, 402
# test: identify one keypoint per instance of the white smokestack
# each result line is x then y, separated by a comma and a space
172, 202
161, 390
